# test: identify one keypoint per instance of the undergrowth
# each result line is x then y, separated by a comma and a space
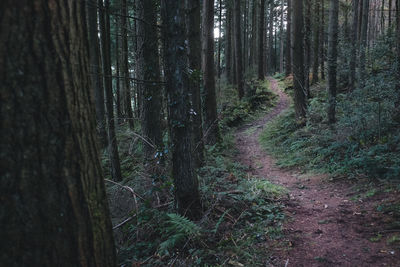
241, 214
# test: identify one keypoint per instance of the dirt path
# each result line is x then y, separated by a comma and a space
325, 227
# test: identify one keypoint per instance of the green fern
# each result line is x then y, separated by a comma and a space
177, 229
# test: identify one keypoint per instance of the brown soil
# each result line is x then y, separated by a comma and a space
325, 227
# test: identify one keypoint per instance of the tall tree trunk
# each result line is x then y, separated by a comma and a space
307, 46
104, 19
219, 38
353, 54
245, 49
54, 209
117, 69
390, 15
253, 48
210, 102
316, 33
95, 72
298, 62
281, 52
238, 49
152, 90
187, 199
397, 104
261, 41
194, 52
228, 43
332, 57
363, 41
289, 39
270, 62
125, 64
322, 38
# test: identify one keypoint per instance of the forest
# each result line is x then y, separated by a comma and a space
200, 133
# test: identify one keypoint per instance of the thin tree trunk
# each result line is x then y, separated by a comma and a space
316, 33
322, 37
289, 39
187, 199
54, 209
238, 49
281, 52
118, 66
104, 19
307, 46
194, 52
298, 62
261, 41
354, 37
253, 49
219, 38
332, 58
270, 62
228, 41
363, 41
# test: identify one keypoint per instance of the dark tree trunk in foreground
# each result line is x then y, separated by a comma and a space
261, 41
104, 19
125, 65
298, 62
210, 102
316, 33
152, 91
353, 55
332, 57
95, 72
54, 210
289, 39
187, 199
194, 52
238, 49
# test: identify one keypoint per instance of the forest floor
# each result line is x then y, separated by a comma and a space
329, 223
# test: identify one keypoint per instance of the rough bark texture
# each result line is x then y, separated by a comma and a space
398, 58
95, 71
117, 70
298, 62
307, 46
238, 49
353, 55
104, 19
332, 57
125, 65
261, 41
228, 44
152, 92
187, 198
210, 102
54, 209
194, 53
288, 70
316, 33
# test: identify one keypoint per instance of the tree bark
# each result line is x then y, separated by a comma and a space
117, 70
253, 48
261, 41
54, 209
95, 72
194, 52
104, 21
270, 61
298, 62
288, 70
363, 41
316, 33
322, 38
281, 52
152, 91
307, 46
125, 65
238, 49
354, 37
210, 102
332, 58
187, 199
228, 41
219, 38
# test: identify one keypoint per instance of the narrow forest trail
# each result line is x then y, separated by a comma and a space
324, 227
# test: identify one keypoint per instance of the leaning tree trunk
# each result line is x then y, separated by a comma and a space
54, 209
104, 19
152, 88
353, 55
210, 102
288, 70
332, 57
298, 62
261, 41
95, 71
194, 53
238, 49
187, 199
